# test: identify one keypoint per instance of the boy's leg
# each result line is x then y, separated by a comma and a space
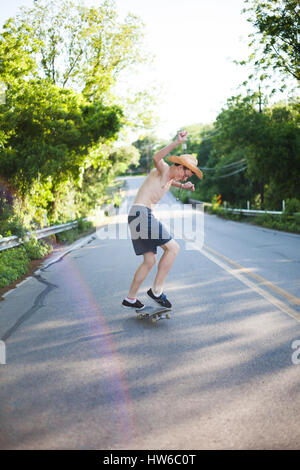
141, 273
171, 249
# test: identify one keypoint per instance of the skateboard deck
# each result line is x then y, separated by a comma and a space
154, 313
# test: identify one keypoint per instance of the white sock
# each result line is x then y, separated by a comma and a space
131, 301
158, 293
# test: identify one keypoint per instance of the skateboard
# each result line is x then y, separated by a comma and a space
154, 313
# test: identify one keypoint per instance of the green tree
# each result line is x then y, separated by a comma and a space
48, 134
51, 135
269, 144
146, 146
51, 132
196, 134
90, 51
83, 48
275, 41
283, 165
122, 157
18, 45
241, 126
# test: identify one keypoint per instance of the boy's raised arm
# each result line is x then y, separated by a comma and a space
159, 163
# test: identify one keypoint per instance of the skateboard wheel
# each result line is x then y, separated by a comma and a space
153, 320
140, 316
168, 316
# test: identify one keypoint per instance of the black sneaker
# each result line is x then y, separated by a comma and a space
137, 305
161, 299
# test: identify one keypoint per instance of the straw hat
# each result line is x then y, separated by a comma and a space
189, 162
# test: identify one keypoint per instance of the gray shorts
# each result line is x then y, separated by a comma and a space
147, 233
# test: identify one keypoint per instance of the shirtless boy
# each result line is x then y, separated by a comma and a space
147, 232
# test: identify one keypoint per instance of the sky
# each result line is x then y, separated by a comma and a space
194, 43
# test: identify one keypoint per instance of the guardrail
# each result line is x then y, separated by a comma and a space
195, 201
250, 212
14, 241
9, 242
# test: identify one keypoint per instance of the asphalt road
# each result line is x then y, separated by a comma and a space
81, 372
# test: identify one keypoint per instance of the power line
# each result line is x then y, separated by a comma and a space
234, 173
230, 165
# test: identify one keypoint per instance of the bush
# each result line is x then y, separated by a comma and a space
69, 236
292, 205
263, 219
283, 222
117, 200
297, 219
36, 249
84, 225
12, 226
14, 262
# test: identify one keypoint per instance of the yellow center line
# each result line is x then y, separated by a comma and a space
217, 257
291, 298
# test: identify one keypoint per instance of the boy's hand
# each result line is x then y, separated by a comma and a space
188, 186
181, 137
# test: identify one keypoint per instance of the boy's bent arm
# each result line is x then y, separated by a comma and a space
176, 184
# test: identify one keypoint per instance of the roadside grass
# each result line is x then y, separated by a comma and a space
288, 221
283, 222
15, 262
18, 263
